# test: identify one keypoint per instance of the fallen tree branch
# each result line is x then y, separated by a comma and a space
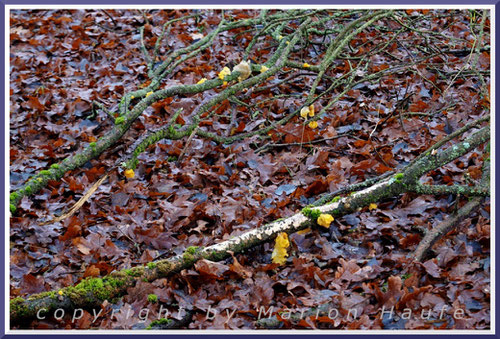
453, 221
445, 227
92, 292
453, 189
150, 95
124, 122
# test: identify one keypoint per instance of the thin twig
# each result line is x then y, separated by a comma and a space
264, 147
188, 141
111, 17
79, 203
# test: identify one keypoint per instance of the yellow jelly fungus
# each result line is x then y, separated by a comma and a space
304, 112
372, 206
225, 71
279, 253
263, 68
244, 69
149, 93
313, 124
325, 220
129, 174
201, 81
311, 110
306, 65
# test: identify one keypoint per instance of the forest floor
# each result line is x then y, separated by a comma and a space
207, 192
